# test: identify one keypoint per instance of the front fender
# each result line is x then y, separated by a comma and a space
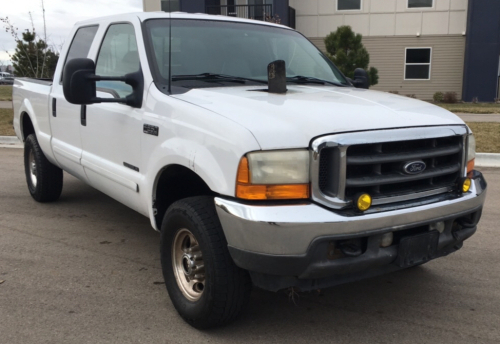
208, 144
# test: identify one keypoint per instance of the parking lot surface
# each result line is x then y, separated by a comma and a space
86, 269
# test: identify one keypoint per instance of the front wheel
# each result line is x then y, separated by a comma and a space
204, 284
45, 180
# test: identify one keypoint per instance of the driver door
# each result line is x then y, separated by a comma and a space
111, 134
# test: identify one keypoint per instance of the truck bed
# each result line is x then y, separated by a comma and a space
32, 96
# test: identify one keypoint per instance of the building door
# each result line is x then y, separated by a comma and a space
231, 9
260, 9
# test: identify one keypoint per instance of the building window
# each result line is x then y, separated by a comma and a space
420, 3
418, 63
170, 6
348, 5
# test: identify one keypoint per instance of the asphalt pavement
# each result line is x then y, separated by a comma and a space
86, 269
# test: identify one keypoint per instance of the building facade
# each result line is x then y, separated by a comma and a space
251, 9
420, 47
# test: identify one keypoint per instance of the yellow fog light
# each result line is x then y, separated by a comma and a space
363, 202
466, 185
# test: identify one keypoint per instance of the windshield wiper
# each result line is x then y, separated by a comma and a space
299, 79
216, 77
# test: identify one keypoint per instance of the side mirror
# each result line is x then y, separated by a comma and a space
78, 87
79, 84
361, 79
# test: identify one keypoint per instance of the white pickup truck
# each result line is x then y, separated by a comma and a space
256, 159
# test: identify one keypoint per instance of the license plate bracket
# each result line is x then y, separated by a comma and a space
417, 249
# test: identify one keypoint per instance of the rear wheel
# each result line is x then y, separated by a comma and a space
204, 284
45, 180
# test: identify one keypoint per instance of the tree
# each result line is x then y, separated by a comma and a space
32, 57
346, 51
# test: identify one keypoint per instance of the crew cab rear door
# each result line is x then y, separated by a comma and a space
65, 117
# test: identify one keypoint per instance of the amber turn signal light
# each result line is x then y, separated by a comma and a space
268, 192
470, 166
243, 172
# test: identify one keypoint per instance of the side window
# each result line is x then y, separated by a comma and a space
170, 5
420, 3
418, 63
118, 56
348, 5
81, 43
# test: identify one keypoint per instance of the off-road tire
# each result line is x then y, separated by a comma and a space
49, 178
227, 287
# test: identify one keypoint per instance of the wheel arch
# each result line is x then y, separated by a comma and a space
172, 183
27, 127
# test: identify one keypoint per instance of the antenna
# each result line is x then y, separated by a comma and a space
170, 48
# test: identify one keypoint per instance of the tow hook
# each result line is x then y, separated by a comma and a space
351, 248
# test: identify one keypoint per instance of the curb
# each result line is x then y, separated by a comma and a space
487, 160
482, 159
10, 142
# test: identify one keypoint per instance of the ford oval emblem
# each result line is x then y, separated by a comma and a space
414, 167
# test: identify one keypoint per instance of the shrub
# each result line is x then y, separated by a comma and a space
394, 92
347, 52
438, 97
450, 98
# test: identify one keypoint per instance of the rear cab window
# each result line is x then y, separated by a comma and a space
80, 46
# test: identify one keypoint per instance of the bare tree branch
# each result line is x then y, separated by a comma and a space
9, 27
44, 38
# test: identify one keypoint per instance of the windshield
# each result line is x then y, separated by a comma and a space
209, 49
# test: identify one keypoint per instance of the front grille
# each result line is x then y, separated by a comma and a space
378, 168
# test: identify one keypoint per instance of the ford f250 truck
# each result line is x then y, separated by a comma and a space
258, 161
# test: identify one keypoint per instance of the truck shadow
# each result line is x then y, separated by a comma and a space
353, 312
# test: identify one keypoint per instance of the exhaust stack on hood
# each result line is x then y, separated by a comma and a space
276, 76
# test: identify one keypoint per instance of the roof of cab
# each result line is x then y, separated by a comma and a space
143, 16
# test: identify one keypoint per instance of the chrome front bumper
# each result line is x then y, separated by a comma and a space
289, 230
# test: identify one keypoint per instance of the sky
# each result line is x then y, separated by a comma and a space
60, 17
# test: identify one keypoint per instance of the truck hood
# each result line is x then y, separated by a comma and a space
291, 120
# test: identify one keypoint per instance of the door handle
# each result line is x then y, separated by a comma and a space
54, 113
83, 115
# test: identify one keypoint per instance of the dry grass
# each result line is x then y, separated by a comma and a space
5, 93
487, 136
6, 117
479, 108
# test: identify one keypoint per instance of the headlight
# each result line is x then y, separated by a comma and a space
274, 175
471, 153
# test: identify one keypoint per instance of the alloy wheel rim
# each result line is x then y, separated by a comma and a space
33, 168
187, 261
